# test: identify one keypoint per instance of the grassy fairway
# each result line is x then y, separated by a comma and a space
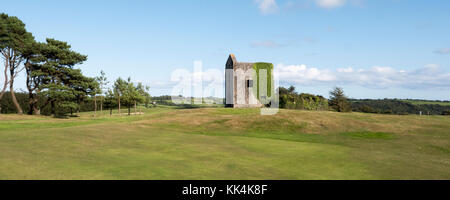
220, 143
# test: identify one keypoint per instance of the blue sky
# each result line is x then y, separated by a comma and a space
371, 48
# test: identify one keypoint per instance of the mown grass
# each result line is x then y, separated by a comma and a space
369, 135
222, 143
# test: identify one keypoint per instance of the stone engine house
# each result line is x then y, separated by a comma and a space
240, 91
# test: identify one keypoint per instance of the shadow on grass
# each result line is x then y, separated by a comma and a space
186, 106
192, 106
62, 116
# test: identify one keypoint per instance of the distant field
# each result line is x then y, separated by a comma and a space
422, 102
220, 143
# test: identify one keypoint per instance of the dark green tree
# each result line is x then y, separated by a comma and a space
14, 40
143, 90
292, 100
338, 100
131, 96
82, 87
120, 87
110, 101
33, 59
103, 82
54, 77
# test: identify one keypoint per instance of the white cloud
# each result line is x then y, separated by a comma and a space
430, 76
330, 3
303, 74
267, 6
443, 51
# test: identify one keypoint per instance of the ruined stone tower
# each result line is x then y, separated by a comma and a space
239, 83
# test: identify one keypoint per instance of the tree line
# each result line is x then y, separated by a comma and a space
52, 81
339, 102
290, 99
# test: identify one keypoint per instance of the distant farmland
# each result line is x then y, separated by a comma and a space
400, 106
427, 102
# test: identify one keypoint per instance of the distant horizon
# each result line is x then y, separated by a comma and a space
432, 100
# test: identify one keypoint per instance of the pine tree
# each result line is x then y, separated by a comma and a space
63, 86
338, 100
14, 39
120, 87
102, 81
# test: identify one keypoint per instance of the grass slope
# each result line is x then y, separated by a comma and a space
220, 143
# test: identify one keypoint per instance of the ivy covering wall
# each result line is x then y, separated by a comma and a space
269, 68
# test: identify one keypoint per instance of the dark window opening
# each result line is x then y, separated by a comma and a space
249, 83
